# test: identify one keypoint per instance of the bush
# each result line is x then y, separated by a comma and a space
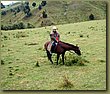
2, 62
81, 35
5, 37
66, 82
75, 60
37, 64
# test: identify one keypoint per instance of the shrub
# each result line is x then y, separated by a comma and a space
5, 37
66, 82
2, 62
88, 36
81, 35
37, 64
75, 60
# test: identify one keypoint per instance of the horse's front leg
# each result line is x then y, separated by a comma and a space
58, 55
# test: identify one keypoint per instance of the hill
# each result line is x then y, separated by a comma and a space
58, 12
22, 51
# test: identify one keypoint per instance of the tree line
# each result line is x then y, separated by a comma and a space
19, 25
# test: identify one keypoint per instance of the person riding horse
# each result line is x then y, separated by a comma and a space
54, 36
59, 47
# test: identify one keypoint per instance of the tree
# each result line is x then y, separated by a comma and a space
44, 14
27, 3
43, 3
17, 9
33, 4
2, 27
91, 17
12, 10
30, 25
27, 10
2, 6
3, 13
39, 7
15, 13
21, 25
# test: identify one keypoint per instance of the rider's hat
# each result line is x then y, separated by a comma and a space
54, 28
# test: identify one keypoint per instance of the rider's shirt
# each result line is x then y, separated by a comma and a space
54, 36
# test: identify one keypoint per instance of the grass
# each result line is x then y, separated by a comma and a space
25, 66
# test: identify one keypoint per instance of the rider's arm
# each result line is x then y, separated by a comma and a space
52, 37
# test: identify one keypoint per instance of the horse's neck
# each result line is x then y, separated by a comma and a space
72, 48
68, 46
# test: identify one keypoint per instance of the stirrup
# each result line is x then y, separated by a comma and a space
51, 53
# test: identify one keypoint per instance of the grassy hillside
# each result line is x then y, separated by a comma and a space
59, 12
21, 50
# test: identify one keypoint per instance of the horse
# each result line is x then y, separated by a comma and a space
60, 49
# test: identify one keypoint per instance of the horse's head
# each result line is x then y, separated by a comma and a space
77, 51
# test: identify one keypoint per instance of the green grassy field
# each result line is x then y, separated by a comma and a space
21, 50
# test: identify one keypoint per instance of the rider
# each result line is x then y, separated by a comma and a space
54, 36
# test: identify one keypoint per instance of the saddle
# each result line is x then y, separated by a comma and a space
54, 45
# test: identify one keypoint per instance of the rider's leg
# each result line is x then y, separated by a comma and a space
50, 46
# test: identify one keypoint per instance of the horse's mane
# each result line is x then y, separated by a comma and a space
69, 44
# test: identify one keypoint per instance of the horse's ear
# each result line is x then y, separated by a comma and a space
77, 45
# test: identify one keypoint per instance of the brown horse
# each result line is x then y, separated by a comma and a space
60, 49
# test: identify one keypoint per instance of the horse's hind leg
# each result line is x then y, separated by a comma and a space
58, 55
63, 57
49, 56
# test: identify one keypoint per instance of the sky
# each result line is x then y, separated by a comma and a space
8, 2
